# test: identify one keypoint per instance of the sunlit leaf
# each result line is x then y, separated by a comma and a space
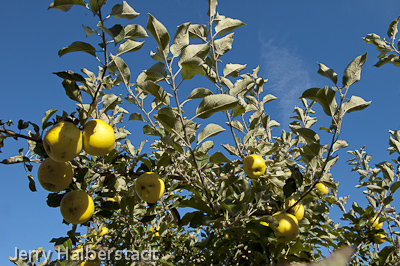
181, 39
233, 70
159, 33
355, 103
124, 10
78, 47
212, 6
392, 30
199, 93
209, 131
194, 51
156, 90
352, 73
215, 103
225, 25
134, 31
129, 46
192, 67
224, 44
327, 72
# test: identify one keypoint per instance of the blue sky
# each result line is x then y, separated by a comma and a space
286, 38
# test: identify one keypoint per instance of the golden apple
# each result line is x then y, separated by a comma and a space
254, 166
288, 227
63, 141
149, 187
374, 222
98, 137
379, 238
150, 230
298, 210
103, 231
77, 207
322, 188
55, 176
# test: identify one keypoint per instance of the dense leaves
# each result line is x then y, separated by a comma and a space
212, 213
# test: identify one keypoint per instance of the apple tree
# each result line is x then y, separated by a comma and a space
195, 138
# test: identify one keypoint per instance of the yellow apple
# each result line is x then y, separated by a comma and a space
103, 231
298, 210
322, 188
374, 222
378, 238
63, 141
254, 166
288, 227
77, 207
150, 230
55, 176
149, 187
98, 137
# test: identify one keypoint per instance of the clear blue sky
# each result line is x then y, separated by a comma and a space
286, 38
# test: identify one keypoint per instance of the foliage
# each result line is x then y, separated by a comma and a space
210, 213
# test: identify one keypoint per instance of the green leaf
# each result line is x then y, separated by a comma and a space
215, 103
199, 93
377, 41
155, 73
181, 39
194, 51
212, 7
192, 67
395, 186
123, 10
198, 31
136, 116
72, 90
392, 30
355, 103
219, 157
134, 31
116, 32
159, 33
129, 46
308, 134
233, 70
78, 47
387, 171
46, 117
352, 73
156, 90
70, 75
209, 131
389, 58
65, 5
123, 69
339, 144
89, 31
242, 86
110, 101
225, 25
327, 72
325, 97
223, 45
